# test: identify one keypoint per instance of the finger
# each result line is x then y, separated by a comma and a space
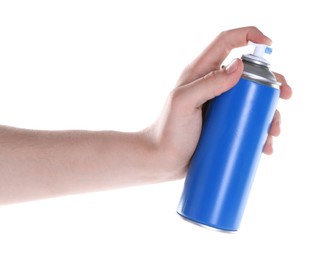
196, 93
275, 125
268, 149
213, 56
285, 89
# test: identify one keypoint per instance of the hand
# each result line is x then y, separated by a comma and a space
41, 164
178, 128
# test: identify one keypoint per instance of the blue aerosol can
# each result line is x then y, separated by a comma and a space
234, 131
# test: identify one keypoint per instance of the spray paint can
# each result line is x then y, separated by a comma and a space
234, 131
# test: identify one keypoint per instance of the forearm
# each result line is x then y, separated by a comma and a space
42, 164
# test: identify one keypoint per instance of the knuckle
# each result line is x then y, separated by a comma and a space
215, 86
253, 28
176, 97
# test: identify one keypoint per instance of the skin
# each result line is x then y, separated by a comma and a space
41, 164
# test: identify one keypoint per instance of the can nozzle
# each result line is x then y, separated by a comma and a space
259, 51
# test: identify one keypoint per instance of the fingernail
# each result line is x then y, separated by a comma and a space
232, 67
269, 41
269, 145
278, 122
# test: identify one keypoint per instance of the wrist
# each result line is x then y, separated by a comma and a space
163, 160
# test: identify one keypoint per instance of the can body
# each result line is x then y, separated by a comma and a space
223, 166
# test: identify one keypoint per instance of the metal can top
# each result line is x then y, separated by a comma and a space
258, 71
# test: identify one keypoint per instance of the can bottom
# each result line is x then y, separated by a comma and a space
218, 229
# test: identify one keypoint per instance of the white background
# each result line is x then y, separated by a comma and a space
110, 65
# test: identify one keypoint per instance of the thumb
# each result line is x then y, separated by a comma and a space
213, 84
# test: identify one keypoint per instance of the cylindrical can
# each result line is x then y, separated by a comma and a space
233, 135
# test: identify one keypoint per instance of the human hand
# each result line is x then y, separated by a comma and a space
178, 128
82, 161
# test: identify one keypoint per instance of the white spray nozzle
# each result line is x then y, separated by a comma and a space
260, 50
